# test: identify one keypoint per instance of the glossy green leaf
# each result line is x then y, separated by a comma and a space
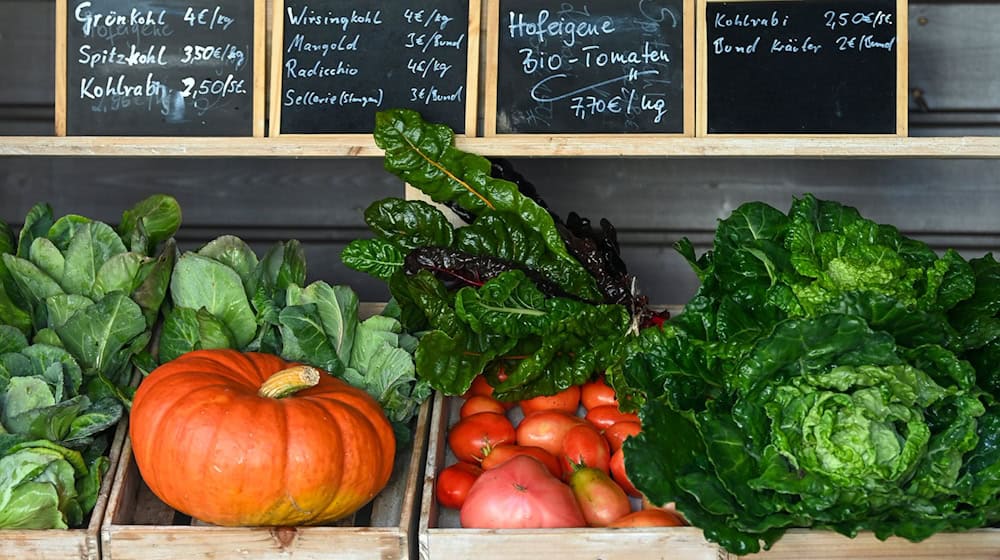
409, 223
379, 258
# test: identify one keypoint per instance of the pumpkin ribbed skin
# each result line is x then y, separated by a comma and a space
209, 446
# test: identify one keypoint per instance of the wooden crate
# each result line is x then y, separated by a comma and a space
442, 538
138, 526
68, 544
800, 544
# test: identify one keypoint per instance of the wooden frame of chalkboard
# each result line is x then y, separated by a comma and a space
849, 31
146, 23
632, 105
421, 13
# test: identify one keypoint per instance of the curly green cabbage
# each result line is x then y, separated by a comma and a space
815, 380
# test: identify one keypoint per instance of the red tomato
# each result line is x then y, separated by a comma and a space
453, 483
597, 393
617, 433
520, 494
584, 446
601, 500
501, 453
649, 518
479, 387
606, 415
619, 475
481, 403
546, 429
567, 400
472, 437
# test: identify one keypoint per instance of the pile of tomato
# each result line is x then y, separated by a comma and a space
562, 465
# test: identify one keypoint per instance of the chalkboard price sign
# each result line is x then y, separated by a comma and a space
801, 67
590, 66
160, 67
335, 63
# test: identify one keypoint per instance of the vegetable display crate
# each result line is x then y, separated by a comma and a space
442, 537
139, 526
798, 544
69, 544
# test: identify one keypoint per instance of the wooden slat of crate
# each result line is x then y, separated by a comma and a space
441, 538
800, 544
68, 544
138, 526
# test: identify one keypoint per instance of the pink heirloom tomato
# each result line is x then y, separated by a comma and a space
520, 494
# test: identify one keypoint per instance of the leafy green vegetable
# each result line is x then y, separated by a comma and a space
977, 321
204, 283
46, 486
424, 155
254, 304
535, 302
813, 381
48, 426
78, 299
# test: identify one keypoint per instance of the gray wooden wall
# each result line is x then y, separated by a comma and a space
955, 86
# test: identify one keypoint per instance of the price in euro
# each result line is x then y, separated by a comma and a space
218, 88
211, 17
230, 54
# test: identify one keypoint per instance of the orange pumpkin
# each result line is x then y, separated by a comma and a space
244, 439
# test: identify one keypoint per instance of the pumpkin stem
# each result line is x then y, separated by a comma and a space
289, 381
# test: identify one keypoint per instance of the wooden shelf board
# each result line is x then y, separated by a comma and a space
967, 147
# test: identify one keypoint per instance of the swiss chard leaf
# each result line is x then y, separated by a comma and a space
409, 223
451, 362
377, 257
424, 156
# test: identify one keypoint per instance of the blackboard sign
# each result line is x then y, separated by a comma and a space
590, 66
160, 67
802, 67
335, 63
